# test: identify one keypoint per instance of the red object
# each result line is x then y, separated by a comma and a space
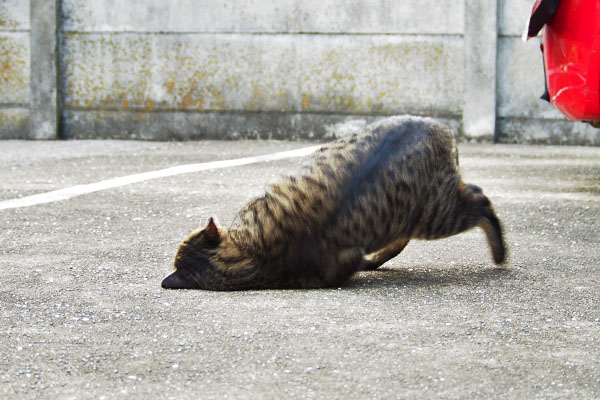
571, 41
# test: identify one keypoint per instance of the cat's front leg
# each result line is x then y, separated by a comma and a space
339, 265
377, 259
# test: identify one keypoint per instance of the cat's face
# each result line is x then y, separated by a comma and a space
192, 261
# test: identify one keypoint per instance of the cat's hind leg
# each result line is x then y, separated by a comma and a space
493, 231
478, 211
378, 258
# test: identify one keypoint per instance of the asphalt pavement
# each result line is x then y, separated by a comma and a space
83, 316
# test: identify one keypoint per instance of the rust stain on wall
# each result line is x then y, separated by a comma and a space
305, 102
14, 69
170, 85
142, 72
155, 72
5, 21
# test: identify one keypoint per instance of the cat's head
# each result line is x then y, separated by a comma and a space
194, 261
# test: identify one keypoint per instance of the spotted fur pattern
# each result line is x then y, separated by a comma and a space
353, 206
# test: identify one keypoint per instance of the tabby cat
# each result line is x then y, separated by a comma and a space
353, 207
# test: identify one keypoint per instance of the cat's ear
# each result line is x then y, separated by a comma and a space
178, 280
212, 231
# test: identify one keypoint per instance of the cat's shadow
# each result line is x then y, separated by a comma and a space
427, 276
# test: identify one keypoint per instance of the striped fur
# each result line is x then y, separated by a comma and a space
353, 206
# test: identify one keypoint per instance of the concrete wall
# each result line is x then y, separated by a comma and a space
14, 69
211, 69
251, 69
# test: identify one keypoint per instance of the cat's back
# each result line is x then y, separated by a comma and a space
406, 136
413, 147
396, 144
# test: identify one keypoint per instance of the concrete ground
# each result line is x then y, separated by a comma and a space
82, 314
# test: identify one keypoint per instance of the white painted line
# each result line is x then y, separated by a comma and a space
78, 190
